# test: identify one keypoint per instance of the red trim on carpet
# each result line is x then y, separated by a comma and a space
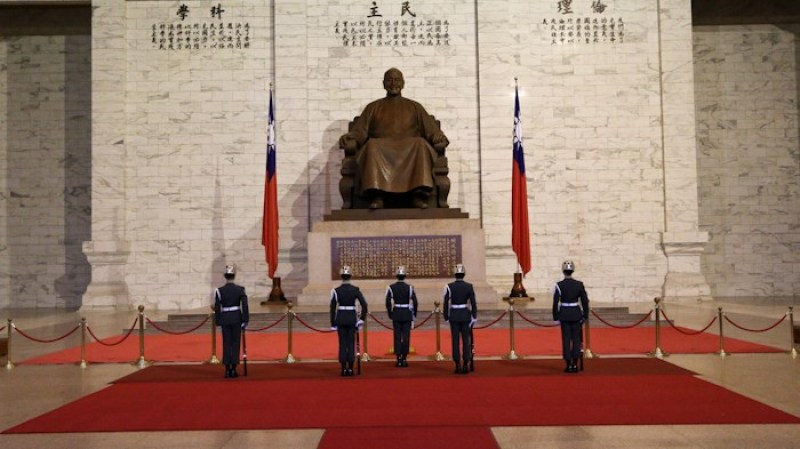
408, 438
488, 342
429, 395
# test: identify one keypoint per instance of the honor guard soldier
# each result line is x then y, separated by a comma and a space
571, 309
401, 304
232, 314
346, 319
461, 311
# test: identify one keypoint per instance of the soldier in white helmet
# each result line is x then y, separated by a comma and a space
461, 311
571, 309
401, 304
232, 314
346, 318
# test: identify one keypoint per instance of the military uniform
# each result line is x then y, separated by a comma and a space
231, 313
461, 311
571, 309
401, 304
345, 318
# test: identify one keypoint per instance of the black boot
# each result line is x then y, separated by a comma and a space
458, 367
399, 362
344, 369
568, 368
227, 371
404, 362
233, 371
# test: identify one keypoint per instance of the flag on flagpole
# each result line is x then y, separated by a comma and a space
269, 227
520, 233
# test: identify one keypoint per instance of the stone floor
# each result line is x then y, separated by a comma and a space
774, 379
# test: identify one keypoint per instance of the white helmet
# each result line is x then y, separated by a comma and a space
401, 271
460, 269
229, 270
345, 271
568, 265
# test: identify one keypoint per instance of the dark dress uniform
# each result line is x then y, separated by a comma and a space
460, 309
571, 309
345, 317
401, 304
231, 310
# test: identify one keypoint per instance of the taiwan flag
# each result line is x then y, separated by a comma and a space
269, 228
520, 234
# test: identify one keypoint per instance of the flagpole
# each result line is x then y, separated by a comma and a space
269, 231
519, 204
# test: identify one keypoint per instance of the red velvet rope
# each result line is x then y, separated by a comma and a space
2, 328
323, 331
417, 326
40, 340
152, 323
713, 320
646, 317
756, 330
493, 322
380, 322
270, 326
124, 337
534, 322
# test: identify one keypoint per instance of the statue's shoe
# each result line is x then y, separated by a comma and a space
377, 203
420, 202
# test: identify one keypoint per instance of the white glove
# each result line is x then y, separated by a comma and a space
473, 322
359, 323
333, 328
244, 324
412, 325
557, 322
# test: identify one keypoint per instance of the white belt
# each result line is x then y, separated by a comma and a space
347, 307
570, 304
458, 306
402, 306
230, 309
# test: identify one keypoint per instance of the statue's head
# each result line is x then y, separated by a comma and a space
393, 82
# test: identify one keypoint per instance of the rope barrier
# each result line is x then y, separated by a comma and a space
152, 323
493, 322
42, 340
2, 328
269, 326
756, 330
322, 331
535, 323
380, 322
672, 325
427, 318
645, 318
124, 337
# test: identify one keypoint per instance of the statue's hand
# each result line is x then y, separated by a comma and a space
348, 143
440, 142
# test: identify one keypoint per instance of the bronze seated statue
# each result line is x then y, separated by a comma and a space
394, 155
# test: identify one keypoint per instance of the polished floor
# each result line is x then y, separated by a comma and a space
774, 379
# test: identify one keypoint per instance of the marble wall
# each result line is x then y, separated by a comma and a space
178, 139
46, 158
749, 157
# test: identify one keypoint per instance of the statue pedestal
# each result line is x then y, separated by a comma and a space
428, 247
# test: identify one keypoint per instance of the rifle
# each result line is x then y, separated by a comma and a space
244, 351
358, 350
472, 349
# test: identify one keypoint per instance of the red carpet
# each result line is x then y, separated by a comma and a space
409, 438
500, 393
488, 342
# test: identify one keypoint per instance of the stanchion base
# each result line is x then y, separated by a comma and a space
439, 357
290, 358
142, 363
365, 357
9, 365
793, 353
83, 364
722, 353
588, 354
512, 356
658, 353
213, 360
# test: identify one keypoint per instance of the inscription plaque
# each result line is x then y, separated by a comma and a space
424, 256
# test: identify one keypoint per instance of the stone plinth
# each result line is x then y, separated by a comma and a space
321, 258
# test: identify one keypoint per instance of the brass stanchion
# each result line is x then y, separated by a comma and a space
512, 353
792, 352
437, 315
9, 363
141, 363
721, 352
213, 359
657, 352
365, 354
83, 343
289, 357
587, 347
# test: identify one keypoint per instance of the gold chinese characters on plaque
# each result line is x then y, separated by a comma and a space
424, 256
